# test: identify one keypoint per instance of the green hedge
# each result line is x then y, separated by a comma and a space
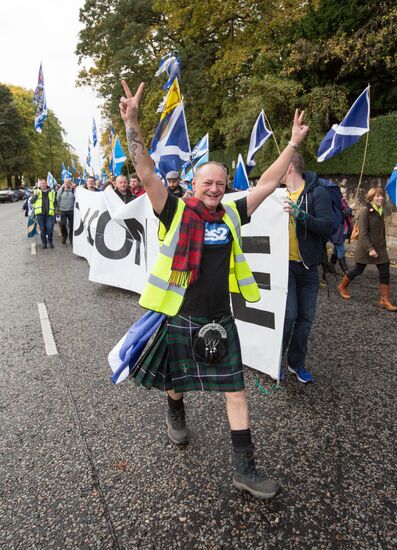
381, 153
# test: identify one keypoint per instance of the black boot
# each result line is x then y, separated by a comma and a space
176, 426
332, 264
247, 478
343, 264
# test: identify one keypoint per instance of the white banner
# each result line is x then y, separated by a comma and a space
120, 243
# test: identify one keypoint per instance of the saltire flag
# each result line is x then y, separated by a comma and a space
188, 176
84, 176
349, 131
171, 64
391, 186
89, 153
51, 180
94, 133
41, 114
65, 173
170, 146
69, 172
74, 166
127, 351
240, 180
259, 135
118, 157
32, 225
39, 88
200, 150
104, 175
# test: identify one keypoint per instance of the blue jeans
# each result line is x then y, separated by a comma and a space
339, 250
46, 224
303, 286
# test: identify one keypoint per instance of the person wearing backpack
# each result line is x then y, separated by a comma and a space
371, 248
312, 222
65, 199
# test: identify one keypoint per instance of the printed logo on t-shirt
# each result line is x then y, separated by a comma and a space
216, 233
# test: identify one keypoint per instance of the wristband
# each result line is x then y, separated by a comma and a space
293, 145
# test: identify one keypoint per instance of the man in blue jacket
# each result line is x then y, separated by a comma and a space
310, 210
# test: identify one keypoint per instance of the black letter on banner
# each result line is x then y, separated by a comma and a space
242, 312
137, 233
103, 220
80, 228
89, 236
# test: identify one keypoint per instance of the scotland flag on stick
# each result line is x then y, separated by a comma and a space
94, 133
118, 157
51, 180
199, 155
39, 88
170, 146
391, 186
171, 64
240, 180
41, 114
348, 132
259, 135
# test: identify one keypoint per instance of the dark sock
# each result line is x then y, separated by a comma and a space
175, 404
241, 440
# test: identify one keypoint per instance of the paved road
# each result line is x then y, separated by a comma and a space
85, 464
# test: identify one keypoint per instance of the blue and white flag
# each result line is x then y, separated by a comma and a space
94, 133
391, 186
104, 175
118, 157
199, 155
349, 131
74, 166
51, 180
39, 88
41, 114
171, 64
89, 154
65, 173
259, 135
127, 351
240, 180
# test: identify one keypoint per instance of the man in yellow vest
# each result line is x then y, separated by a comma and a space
200, 261
44, 200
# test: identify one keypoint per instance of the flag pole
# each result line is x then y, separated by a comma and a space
271, 129
50, 142
365, 151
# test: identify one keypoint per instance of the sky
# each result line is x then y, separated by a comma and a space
47, 30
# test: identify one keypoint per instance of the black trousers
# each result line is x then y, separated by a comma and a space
66, 217
384, 272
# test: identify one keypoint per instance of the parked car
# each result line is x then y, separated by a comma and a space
6, 195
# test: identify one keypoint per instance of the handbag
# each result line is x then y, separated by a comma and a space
210, 343
355, 231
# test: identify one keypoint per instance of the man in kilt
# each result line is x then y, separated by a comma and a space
200, 261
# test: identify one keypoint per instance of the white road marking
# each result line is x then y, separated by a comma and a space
33, 248
49, 341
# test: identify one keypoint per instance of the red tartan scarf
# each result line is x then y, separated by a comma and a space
187, 258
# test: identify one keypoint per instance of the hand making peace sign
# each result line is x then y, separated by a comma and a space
129, 105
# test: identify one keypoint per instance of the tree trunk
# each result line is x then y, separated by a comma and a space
9, 181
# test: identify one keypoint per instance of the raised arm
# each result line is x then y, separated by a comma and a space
271, 178
144, 166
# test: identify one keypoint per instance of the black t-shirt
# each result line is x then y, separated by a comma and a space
209, 296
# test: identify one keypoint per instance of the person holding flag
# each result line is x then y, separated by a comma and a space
44, 202
200, 261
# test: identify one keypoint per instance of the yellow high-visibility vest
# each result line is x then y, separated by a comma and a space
159, 295
38, 204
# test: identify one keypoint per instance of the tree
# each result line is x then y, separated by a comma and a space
12, 139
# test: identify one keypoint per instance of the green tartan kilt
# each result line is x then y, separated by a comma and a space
170, 362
